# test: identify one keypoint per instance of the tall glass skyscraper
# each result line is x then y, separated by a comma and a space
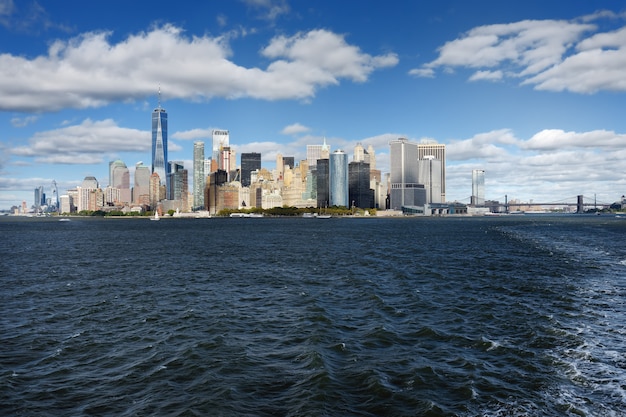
322, 182
159, 144
339, 179
199, 176
478, 187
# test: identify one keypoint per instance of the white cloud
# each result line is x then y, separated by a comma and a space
487, 76
551, 165
554, 55
85, 143
89, 71
294, 129
193, 134
555, 139
422, 72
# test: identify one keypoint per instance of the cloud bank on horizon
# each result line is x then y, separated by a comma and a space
98, 69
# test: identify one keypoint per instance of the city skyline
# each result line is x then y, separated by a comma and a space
529, 92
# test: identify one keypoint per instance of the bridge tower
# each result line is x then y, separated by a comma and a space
580, 208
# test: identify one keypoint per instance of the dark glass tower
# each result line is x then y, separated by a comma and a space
323, 183
159, 144
249, 162
359, 192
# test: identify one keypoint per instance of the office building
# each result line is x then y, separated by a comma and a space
406, 190
430, 177
322, 182
220, 140
250, 161
40, 197
428, 148
359, 192
89, 195
338, 176
289, 162
199, 175
316, 152
141, 188
159, 144
478, 187
119, 177
179, 184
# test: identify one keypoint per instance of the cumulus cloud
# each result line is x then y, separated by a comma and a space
90, 71
553, 55
294, 129
86, 143
552, 164
554, 139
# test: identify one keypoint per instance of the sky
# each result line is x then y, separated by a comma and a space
532, 92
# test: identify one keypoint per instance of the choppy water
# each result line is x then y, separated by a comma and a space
518, 315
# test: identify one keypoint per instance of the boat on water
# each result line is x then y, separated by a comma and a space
256, 215
309, 215
323, 216
64, 219
156, 216
239, 215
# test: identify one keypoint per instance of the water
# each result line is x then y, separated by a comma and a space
509, 316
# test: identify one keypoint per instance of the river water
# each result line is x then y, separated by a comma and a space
454, 316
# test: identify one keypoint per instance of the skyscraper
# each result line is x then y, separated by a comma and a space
478, 187
141, 189
119, 177
220, 140
430, 176
339, 179
359, 192
199, 177
404, 175
159, 144
438, 151
179, 184
250, 161
322, 182
40, 197
315, 152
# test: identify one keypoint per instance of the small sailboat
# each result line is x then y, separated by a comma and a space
324, 215
155, 217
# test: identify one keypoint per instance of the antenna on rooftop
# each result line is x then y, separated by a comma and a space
159, 98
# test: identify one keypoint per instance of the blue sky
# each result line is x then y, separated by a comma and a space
533, 92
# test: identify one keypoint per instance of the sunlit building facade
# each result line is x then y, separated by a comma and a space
406, 189
430, 148
119, 177
141, 188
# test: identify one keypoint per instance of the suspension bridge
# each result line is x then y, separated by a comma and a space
581, 202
